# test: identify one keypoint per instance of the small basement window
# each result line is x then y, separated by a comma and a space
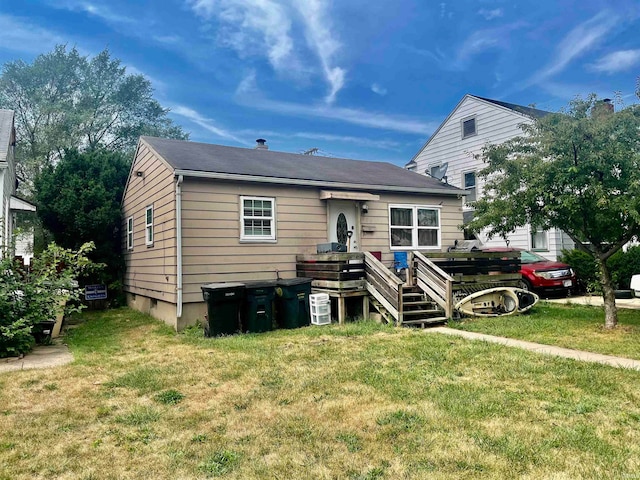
469, 127
258, 216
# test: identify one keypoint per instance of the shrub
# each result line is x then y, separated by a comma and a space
587, 271
30, 296
623, 265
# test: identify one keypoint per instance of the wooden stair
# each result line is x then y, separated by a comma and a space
418, 310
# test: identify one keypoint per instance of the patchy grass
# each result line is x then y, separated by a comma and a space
570, 326
360, 401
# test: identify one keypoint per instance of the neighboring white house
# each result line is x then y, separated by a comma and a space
449, 155
9, 203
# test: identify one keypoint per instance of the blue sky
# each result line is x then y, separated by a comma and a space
357, 79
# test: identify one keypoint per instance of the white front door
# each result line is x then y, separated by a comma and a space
343, 224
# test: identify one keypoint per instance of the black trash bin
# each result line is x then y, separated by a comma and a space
224, 301
292, 302
257, 309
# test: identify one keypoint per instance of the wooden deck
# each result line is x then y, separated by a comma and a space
436, 281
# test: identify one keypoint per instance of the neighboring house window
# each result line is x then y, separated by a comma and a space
414, 226
149, 225
130, 233
470, 186
258, 218
468, 127
539, 240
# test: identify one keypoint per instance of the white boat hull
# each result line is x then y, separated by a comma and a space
493, 302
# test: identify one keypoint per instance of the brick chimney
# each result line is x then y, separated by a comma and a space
261, 144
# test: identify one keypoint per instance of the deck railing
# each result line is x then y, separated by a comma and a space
437, 283
384, 286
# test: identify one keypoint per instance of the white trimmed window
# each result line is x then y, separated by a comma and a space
258, 219
148, 235
539, 240
130, 233
469, 186
414, 226
469, 127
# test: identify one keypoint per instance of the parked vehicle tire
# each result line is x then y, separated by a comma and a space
525, 285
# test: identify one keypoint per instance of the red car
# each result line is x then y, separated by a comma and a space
540, 274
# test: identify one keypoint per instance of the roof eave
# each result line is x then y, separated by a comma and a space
316, 183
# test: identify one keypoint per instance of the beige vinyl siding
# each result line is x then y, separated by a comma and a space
151, 270
212, 250
378, 219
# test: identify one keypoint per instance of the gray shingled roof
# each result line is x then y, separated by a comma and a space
202, 157
529, 111
6, 124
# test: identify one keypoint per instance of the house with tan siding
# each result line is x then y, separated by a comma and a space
450, 153
196, 213
9, 202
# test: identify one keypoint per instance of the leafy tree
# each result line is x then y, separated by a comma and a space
579, 171
64, 100
79, 199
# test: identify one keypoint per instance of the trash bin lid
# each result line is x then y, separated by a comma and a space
286, 282
260, 283
222, 286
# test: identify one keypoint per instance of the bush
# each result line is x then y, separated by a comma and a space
587, 271
623, 265
30, 296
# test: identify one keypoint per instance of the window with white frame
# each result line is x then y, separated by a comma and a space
539, 240
469, 127
258, 215
469, 186
414, 226
130, 233
149, 225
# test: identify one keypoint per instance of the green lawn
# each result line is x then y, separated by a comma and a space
360, 401
571, 326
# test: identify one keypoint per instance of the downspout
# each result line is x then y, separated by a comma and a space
179, 245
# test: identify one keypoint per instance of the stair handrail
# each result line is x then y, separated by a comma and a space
437, 283
378, 274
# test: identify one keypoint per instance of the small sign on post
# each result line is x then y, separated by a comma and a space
95, 292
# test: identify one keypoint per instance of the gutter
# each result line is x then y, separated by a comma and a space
179, 181
455, 192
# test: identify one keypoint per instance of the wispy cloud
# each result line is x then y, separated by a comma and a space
206, 123
252, 27
481, 41
248, 94
19, 35
95, 9
269, 28
378, 89
576, 43
321, 39
617, 61
491, 14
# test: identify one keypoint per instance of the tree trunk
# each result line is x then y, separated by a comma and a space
609, 296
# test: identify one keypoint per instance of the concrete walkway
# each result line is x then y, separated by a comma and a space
596, 301
544, 349
42, 356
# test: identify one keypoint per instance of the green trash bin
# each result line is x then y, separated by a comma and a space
257, 309
292, 302
224, 301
